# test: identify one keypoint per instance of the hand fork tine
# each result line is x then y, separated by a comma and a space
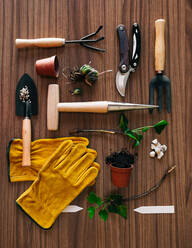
168, 97
160, 95
91, 35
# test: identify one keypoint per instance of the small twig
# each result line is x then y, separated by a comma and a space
155, 187
103, 72
76, 131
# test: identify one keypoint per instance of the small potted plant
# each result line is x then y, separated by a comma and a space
121, 164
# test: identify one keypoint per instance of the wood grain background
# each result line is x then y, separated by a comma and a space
72, 20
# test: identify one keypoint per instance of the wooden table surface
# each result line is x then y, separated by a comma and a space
72, 20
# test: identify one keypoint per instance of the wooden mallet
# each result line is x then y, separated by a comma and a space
54, 107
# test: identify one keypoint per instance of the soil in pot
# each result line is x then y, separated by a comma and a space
122, 159
121, 164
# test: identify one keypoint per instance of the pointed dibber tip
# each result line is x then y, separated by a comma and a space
153, 106
147, 106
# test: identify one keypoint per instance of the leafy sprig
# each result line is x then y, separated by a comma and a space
137, 133
112, 204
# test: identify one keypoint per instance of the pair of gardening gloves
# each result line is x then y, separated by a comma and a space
60, 168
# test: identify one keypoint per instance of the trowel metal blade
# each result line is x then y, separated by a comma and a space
26, 80
121, 82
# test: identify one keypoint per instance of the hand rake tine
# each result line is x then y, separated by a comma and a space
92, 34
168, 97
160, 96
93, 48
151, 96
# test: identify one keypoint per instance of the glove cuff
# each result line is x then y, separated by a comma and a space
41, 216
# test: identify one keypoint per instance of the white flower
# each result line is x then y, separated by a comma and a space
155, 141
152, 154
164, 148
160, 155
157, 149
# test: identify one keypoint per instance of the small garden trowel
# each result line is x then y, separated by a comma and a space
26, 101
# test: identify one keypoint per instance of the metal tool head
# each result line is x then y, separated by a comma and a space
26, 82
84, 40
121, 81
160, 82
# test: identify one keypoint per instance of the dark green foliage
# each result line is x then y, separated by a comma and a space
112, 204
123, 124
91, 211
160, 126
103, 214
92, 198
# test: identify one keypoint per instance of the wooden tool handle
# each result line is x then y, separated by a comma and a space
42, 42
160, 45
91, 107
26, 136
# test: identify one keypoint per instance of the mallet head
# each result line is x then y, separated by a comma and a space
52, 112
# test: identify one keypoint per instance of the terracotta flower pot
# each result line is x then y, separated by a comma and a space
120, 176
48, 67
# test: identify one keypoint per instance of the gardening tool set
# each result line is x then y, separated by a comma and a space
68, 161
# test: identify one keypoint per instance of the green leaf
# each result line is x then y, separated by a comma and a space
112, 208
91, 211
92, 198
135, 137
123, 124
139, 137
160, 126
136, 143
136, 131
98, 201
131, 135
103, 214
145, 129
122, 211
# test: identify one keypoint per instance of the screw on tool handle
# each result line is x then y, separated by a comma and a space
160, 45
136, 46
124, 48
41, 42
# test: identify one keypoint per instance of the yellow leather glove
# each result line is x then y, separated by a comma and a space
41, 150
67, 172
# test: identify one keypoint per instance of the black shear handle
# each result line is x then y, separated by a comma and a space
136, 46
124, 48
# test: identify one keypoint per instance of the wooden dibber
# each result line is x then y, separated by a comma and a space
160, 45
54, 107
